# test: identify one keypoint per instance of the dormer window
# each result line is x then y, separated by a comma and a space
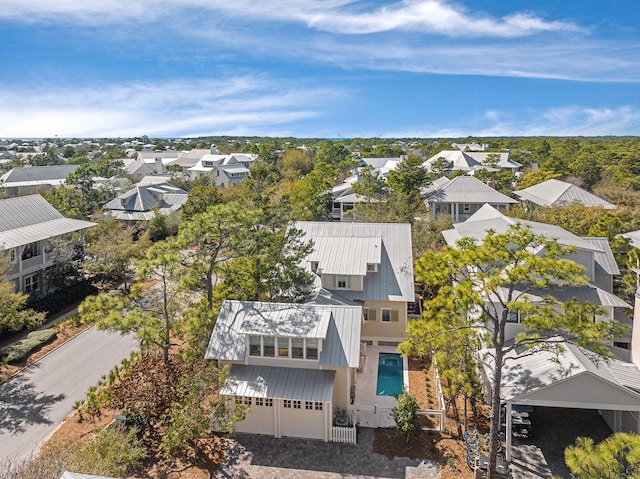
341, 282
314, 266
372, 268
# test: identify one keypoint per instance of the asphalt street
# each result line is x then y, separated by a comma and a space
34, 402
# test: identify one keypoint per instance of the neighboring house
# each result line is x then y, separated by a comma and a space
470, 161
27, 180
559, 193
140, 169
571, 380
224, 170
470, 146
461, 197
344, 200
292, 364
299, 367
144, 201
28, 225
382, 166
370, 263
150, 156
592, 253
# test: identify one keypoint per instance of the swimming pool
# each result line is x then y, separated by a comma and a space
390, 376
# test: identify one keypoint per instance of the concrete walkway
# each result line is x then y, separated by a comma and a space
264, 457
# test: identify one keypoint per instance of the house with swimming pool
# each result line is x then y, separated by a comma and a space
318, 369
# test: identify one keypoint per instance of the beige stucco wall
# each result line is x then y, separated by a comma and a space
383, 331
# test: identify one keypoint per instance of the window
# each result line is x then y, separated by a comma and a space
30, 251
259, 402
308, 405
246, 401
297, 348
314, 266
13, 255
372, 268
389, 315
466, 207
283, 347
341, 282
268, 346
255, 346
311, 350
297, 404
318, 406
287, 403
237, 400
268, 402
369, 314
31, 283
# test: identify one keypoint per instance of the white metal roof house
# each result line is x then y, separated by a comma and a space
592, 253
559, 193
571, 379
224, 170
28, 224
144, 201
462, 196
470, 161
27, 180
293, 364
370, 263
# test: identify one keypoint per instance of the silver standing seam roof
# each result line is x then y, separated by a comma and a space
464, 189
37, 174
558, 193
337, 325
140, 202
27, 219
279, 383
394, 279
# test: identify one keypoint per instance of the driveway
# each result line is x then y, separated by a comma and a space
554, 430
34, 402
264, 457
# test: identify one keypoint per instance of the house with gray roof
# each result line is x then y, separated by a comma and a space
592, 253
27, 180
370, 263
224, 170
471, 161
559, 193
461, 197
302, 368
28, 226
292, 364
145, 201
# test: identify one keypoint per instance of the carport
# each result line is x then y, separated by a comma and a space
573, 379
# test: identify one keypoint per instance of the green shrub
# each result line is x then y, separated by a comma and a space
21, 350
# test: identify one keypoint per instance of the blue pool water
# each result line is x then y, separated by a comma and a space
389, 374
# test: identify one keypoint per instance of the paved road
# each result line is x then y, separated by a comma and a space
34, 402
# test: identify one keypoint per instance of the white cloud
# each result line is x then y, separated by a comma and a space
178, 108
346, 17
560, 121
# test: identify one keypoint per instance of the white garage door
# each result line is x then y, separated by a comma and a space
303, 419
260, 418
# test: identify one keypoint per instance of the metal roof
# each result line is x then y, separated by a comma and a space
604, 258
394, 279
25, 211
337, 325
585, 294
557, 193
488, 218
464, 189
544, 370
472, 160
41, 231
37, 174
141, 202
279, 383
361, 252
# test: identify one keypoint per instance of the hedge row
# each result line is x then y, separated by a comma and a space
55, 302
21, 350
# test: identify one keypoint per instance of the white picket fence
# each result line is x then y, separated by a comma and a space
345, 434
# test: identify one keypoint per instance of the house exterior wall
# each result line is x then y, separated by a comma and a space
586, 259
376, 330
354, 283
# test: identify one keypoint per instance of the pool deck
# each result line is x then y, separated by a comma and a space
366, 383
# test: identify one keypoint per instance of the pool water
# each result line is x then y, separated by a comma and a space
389, 374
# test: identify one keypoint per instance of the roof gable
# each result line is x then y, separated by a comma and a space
558, 193
25, 211
465, 189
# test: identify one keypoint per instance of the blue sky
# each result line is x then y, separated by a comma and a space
313, 68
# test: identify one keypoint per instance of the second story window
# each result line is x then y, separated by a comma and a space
268, 344
30, 251
255, 346
283, 347
341, 282
311, 351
